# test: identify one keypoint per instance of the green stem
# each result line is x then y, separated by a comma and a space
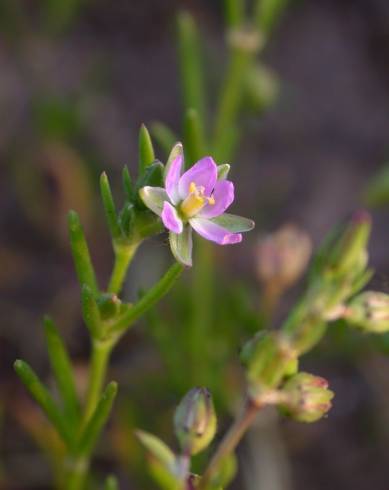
78, 468
152, 296
101, 351
123, 257
230, 100
202, 299
230, 441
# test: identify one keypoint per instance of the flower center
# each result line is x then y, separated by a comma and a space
195, 201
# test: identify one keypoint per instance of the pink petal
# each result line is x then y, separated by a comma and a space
223, 195
173, 177
215, 233
203, 173
170, 218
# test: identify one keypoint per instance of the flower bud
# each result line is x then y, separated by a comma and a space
307, 397
350, 250
195, 421
109, 305
268, 359
370, 311
283, 256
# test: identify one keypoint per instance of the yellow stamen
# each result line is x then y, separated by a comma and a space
195, 201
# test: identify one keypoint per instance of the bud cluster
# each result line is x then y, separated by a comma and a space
268, 358
369, 311
282, 257
307, 397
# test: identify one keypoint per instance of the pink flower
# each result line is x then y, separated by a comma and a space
198, 199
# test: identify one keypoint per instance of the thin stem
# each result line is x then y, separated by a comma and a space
153, 295
77, 472
202, 299
123, 257
230, 440
229, 101
101, 351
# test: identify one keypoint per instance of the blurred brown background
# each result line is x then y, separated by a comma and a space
72, 97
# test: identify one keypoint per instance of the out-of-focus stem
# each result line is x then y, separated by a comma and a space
101, 351
230, 99
230, 440
202, 299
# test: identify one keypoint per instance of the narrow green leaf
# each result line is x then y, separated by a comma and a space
164, 136
161, 461
157, 448
44, 399
234, 12
81, 257
222, 171
62, 369
146, 150
126, 219
91, 312
194, 138
109, 206
191, 65
111, 483
97, 421
147, 301
127, 183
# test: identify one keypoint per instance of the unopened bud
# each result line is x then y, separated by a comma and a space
307, 397
195, 421
370, 311
109, 305
268, 359
350, 250
282, 257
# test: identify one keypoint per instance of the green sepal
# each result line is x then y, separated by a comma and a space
109, 206
97, 421
176, 151
63, 372
233, 223
82, 261
44, 399
181, 246
146, 150
152, 176
223, 171
91, 312
111, 483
